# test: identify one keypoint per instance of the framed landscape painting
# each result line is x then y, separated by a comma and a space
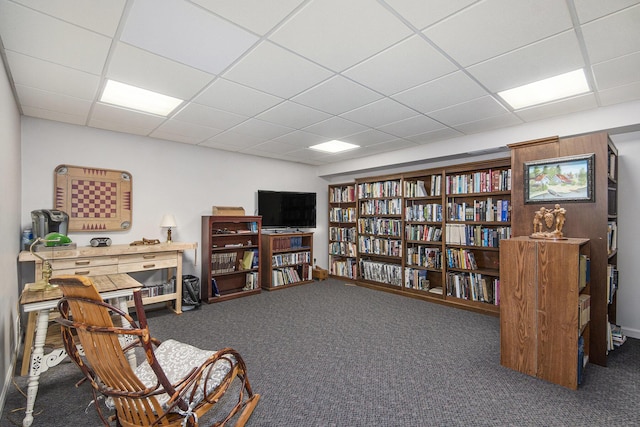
562, 179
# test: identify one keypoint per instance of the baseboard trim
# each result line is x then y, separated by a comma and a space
630, 332
8, 376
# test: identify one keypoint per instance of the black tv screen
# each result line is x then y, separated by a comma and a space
287, 209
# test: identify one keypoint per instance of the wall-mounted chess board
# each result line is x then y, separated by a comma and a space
95, 199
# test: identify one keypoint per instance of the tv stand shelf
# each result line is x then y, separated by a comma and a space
287, 258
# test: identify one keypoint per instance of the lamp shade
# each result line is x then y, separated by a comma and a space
168, 221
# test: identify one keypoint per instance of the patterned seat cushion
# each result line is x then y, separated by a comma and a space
177, 360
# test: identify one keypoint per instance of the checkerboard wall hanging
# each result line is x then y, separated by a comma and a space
95, 199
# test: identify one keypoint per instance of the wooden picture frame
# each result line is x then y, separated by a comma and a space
560, 179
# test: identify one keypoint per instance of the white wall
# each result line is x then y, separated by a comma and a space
628, 314
181, 179
9, 229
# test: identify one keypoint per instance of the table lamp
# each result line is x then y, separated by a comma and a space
168, 222
43, 283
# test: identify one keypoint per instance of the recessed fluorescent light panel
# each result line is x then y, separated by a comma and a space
135, 98
334, 146
558, 87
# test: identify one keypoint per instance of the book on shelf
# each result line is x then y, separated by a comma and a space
214, 287
585, 271
584, 310
247, 260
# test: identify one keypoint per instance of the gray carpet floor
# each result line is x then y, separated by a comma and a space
333, 354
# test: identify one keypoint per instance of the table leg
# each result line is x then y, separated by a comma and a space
37, 359
28, 342
131, 354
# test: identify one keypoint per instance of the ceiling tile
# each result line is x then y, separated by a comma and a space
435, 135
293, 115
184, 132
486, 33
412, 126
337, 95
566, 106
379, 113
335, 127
54, 115
339, 34
261, 129
547, 58
96, 15
209, 117
470, 111
420, 63
274, 70
614, 35
368, 137
233, 140
301, 138
122, 120
140, 68
272, 147
181, 32
39, 74
490, 123
235, 98
618, 72
384, 147
448, 90
258, 16
589, 10
31, 33
51, 101
630, 92
427, 12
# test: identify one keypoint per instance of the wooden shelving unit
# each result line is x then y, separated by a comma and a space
542, 329
225, 242
342, 231
287, 258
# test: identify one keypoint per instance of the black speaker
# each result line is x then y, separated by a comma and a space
98, 242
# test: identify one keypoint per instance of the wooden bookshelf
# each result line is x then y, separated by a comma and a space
287, 258
541, 324
342, 231
225, 241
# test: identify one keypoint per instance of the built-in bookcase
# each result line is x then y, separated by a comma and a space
342, 231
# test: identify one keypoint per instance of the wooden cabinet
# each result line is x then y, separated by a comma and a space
592, 220
543, 286
90, 261
287, 259
342, 231
231, 249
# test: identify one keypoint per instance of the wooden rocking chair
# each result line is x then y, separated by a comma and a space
176, 384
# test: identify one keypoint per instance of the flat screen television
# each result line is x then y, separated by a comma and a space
287, 209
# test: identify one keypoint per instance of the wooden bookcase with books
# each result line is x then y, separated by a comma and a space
477, 218
545, 308
287, 259
342, 231
380, 231
231, 248
424, 234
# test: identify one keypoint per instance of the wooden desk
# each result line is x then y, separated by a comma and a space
39, 304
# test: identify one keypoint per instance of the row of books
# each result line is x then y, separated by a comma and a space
480, 210
343, 248
612, 282
285, 243
479, 182
474, 287
612, 236
616, 336
250, 259
423, 233
153, 290
379, 246
461, 258
424, 256
370, 190
381, 207
584, 272
289, 275
420, 212
381, 272
342, 215
584, 310
380, 226
223, 262
476, 235
345, 194
416, 279
251, 281
344, 267
293, 258
418, 188
342, 234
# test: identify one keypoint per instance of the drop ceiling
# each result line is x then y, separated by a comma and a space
271, 78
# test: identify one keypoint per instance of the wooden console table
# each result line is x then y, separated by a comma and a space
114, 286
